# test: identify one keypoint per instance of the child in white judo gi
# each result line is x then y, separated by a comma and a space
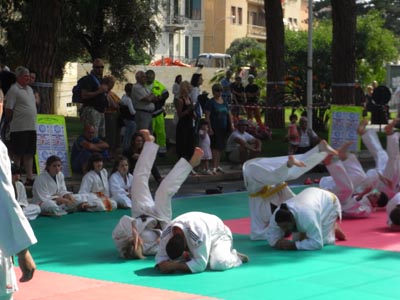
121, 182
344, 174
139, 235
265, 179
95, 187
195, 240
31, 211
310, 217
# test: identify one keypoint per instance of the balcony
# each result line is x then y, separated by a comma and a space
261, 2
257, 32
175, 23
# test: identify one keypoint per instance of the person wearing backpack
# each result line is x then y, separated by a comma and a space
93, 97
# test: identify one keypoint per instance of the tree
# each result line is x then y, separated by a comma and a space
274, 117
118, 31
343, 51
247, 51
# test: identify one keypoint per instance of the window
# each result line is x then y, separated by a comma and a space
195, 46
233, 14
193, 9
186, 47
239, 16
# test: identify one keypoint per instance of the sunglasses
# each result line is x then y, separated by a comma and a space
98, 67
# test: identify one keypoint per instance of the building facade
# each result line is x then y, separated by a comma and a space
191, 27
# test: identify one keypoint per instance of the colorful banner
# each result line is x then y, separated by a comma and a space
343, 126
52, 140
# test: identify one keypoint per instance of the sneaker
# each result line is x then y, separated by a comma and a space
208, 172
214, 171
219, 169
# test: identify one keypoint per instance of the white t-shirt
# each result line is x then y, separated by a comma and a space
231, 144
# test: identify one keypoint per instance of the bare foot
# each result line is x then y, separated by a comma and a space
328, 160
339, 233
196, 157
243, 257
342, 151
292, 161
147, 135
390, 126
26, 264
362, 126
325, 147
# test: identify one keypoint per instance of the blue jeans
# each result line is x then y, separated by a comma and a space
130, 130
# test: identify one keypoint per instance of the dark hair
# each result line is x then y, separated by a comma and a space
128, 88
175, 246
383, 200
216, 87
292, 116
283, 214
395, 215
203, 122
195, 81
117, 161
177, 77
15, 169
93, 158
51, 159
150, 72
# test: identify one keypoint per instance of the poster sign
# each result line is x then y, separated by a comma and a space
344, 124
52, 140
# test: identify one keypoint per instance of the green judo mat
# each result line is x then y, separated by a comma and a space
80, 244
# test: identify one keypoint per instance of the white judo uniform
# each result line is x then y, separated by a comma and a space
265, 179
119, 189
16, 233
31, 211
345, 179
158, 212
315, 212
96, 191
390, 206
208, 239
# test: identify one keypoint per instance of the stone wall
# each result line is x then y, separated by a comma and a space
73, 71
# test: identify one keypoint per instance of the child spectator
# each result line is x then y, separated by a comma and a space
31, 211
121, 182
293, 134
128, 113
204, 143
95, 182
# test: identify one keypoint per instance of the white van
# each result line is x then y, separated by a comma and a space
213, 60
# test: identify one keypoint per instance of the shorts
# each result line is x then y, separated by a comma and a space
23, 142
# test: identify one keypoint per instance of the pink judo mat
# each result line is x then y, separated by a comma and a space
371, 232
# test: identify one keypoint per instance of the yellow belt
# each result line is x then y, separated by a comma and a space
268, 190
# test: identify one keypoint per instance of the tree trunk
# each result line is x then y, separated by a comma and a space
343, 51
41, 47
275, 47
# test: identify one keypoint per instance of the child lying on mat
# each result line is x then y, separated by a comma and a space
139, 235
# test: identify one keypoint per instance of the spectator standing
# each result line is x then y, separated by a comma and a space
196, 82
21, 113
396, 97
143, 101
226, 87
83, 148
32, 75
128, 112
204, 144
241, 145
175, 86
185, 129
238, 96
158, 122
94, 99
252, 91
219, 117
293, 134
